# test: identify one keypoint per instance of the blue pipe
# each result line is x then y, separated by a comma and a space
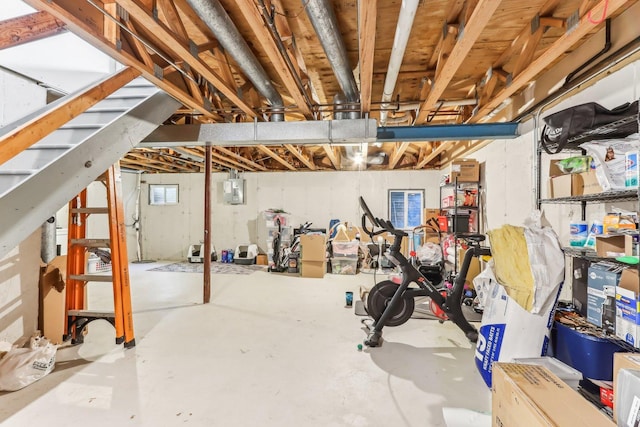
460, 132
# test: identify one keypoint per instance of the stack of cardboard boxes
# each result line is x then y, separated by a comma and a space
313, 259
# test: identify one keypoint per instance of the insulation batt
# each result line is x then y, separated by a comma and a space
511, 263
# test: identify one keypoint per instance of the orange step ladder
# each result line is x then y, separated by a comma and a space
77, 315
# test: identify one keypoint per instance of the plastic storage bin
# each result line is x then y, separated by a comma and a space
565, 372
344, 265
345, 249
588, 354
96, 265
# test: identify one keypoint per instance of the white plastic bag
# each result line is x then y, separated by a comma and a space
430, 253
22, 366
508, 330
609, 161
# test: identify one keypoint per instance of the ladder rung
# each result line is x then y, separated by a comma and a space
91, 277
89, 313
92, 243
90, 210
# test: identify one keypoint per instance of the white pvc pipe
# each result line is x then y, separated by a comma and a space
403, 30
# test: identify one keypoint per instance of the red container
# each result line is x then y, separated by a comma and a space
606, 396
443, 224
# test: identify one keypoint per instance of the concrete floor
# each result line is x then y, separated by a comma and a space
269, 350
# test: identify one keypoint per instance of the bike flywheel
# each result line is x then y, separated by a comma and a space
379, 298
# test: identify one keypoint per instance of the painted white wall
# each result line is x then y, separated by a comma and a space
19, 269
317, 197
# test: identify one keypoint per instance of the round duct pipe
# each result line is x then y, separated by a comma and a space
216, 18
325, 24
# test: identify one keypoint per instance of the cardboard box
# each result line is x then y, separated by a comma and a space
571, 184
52, 299
465, 170
601, 284
627, 313
429, 214
586, 183
614, 245
313, 247
622, 361
531, 395
313, 269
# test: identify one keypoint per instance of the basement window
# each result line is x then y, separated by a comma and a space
163, 194
406, 208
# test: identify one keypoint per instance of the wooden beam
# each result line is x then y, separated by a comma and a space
146, 163
173, 21
84, 27
328, 149
219, 159
224, 66
489, 87
28, 28
453, 11
446, 43
559, 47
234, 164
367, 15
553, 22
160, 156
275, 156
239, 157
525, 57
111, 30
516, 44
397, 154
254, 18
137, 46
480, 17
434, 153
181, 51
27, 134
297, 151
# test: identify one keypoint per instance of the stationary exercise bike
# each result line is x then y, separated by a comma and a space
391, 304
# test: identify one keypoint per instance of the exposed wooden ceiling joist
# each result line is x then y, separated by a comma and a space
230, 153
480, 17
28, 28
397, 154
276, 157
298, 152
87, 23
256, 20
367, 16
331, 155
453, 44
145, 17
561, 45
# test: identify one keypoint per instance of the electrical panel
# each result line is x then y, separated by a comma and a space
233, 191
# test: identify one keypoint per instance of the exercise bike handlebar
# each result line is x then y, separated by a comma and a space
386, 225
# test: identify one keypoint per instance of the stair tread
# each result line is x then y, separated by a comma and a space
90, 313
90, 210
92, 243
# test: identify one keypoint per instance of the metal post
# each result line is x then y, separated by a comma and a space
207, 224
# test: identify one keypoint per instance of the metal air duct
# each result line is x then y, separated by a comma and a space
403, 30
325, 24
216, 18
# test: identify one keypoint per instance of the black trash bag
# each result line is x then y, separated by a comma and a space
585, 122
